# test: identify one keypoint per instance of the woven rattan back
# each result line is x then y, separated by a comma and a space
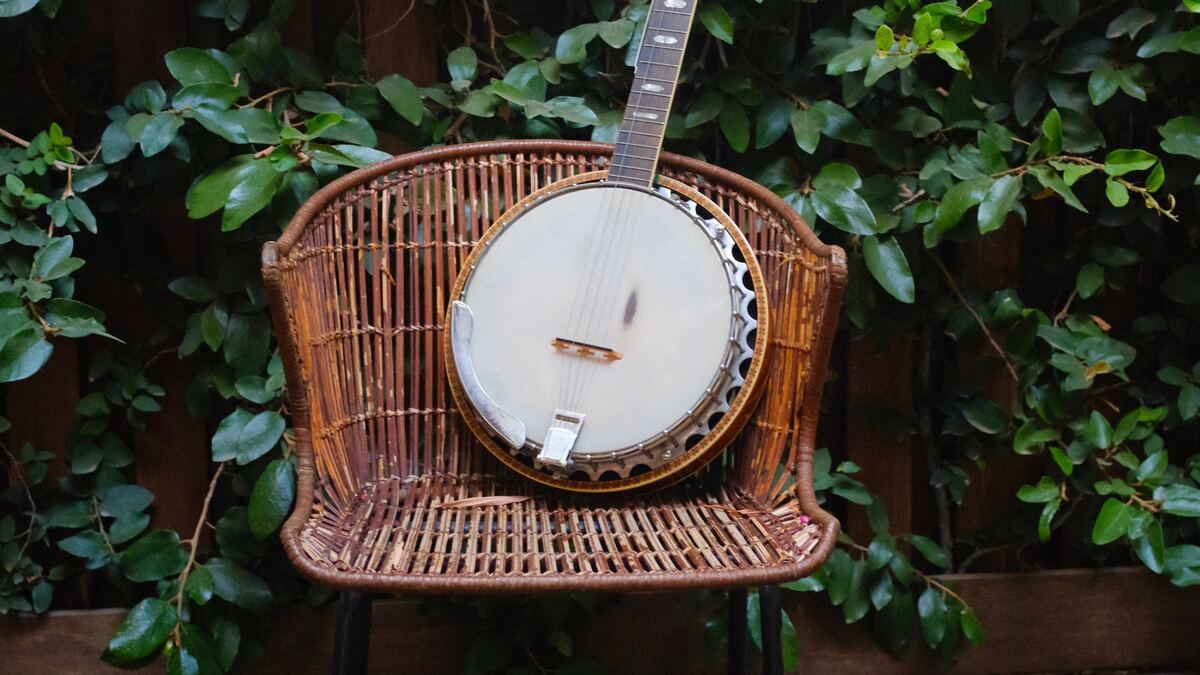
359, 283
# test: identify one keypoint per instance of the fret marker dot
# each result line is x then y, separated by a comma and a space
645, 115
675, 3
652, 87
665, 39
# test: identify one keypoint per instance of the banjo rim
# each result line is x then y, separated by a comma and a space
687, 462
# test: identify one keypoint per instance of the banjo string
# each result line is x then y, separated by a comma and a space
602, 305
575, 316
609, 298
618, 221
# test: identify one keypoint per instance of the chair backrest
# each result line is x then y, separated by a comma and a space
358, 285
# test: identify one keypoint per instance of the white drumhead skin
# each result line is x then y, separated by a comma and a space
611, 266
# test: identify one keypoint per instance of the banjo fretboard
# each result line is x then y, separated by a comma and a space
660, 56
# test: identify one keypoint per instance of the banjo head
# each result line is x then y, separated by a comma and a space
604, 337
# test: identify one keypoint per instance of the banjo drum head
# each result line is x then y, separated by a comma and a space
600, 334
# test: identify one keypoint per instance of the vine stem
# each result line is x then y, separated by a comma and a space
62, 166
945, 590
193, 546
1012, 370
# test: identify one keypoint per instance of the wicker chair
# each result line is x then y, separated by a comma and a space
396, 495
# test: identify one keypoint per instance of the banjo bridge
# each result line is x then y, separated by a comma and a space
586, 350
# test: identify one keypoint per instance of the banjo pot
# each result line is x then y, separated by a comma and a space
608, 331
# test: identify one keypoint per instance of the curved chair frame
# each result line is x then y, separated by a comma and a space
395, 495
333, 322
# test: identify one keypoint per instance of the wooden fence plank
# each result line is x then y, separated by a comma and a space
880, 376
1065, 620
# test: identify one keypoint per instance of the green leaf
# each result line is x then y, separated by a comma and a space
250, 194
145, 628
200, 585
159, 132
1046, 519
1049, 178
1179, 500
54, 261
971, 628
616, 33
985, 415
225, 440
10, 8
844, 209
704, 109
807, 126
191, 66
233, 583
572, 44
271, 500
1052, 133
209, 194
931, 607
126, 527
1149, 547
463, 63
1099, 431
718, 22
194, 655
155, 556
884, 38
772, 120
88, 544
1046, 490
227, 639
259, 436
1112, 521
1089, 280
735, 125
196, 289
954, 205
42, 594
858, 600
1183, 285
1181, 136
1062, 460
403, 96
837, 174
1153, 466
1121, 162
932, 552
120, 500
998, 202
887, 263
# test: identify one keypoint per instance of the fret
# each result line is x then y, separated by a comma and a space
647, 111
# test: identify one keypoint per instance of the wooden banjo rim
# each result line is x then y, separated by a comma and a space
691, 460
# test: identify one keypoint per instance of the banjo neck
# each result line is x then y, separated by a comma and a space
659, 59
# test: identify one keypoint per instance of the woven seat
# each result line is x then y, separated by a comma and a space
395, 493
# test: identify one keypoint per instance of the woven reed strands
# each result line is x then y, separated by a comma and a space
395, 492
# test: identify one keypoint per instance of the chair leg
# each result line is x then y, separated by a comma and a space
737, 631
772, 627
353, 634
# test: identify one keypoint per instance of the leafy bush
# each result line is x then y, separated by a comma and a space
902, 130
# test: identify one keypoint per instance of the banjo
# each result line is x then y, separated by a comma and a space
608, 331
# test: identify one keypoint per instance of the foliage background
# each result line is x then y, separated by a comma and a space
905, 131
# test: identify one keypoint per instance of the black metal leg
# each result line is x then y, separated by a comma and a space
772, 627
737, 631
353, 634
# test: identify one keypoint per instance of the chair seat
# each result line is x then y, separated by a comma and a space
482, 534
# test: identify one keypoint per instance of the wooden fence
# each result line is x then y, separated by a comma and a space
172, 453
